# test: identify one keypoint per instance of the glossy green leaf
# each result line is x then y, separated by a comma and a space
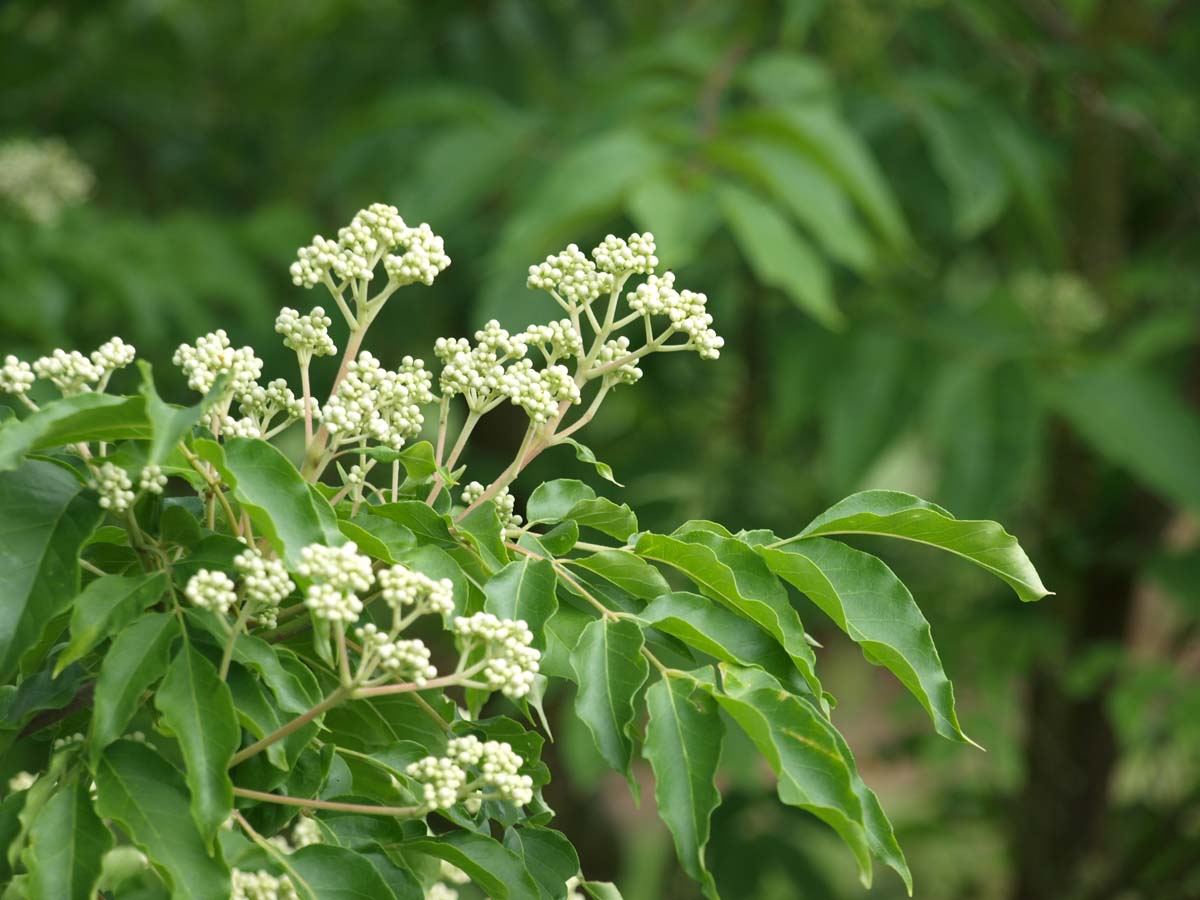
567, 498
732, 572
334, 873
65, 846
482, 527
136, 659
562, 636
524, 589
896, 514
45, 516
282, 506
584, 454
628, 572
146, 796
610, 670
499, 871
779, 255
548, 856
429, 527
870, 604
683, 744
82, 417
703, 623
196, 706
169, 424
106, 606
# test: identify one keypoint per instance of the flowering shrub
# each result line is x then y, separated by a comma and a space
227, 675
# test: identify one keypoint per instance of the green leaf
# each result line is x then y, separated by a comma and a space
681, 217
797, 737
584, 454
417, 459
83, 417
45, 517
798, 743
66, 845
483, 528
430, 527
732, 572
1136, 421
626, 571
610, 670
702, 623
106, 606
37, 692
779, 255
334, 873
869, 603
570, 499
896, 514
283, 507
683, 744
562, 636
548, 855
170, 424
524, 589
136, 659
197, 707
498, 871
143, 793
602, 890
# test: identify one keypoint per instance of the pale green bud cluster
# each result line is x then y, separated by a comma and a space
538, 392
686, 311
152, 480
613, 350
573, 892
402, 587
632, 256
114, 486
42, 178
211, 589
406, 660
338, 575
510, 663
423, 259
16, 376
265, 584
262, 404
262, 885
571, 276
468, 767
213, 356
376, 403
71, 373
556, 340
475, 372
308, 335
306, 832
504, 501
440, 891
22, 781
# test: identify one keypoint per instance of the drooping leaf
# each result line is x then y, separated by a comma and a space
105, 606
584, 454
779, 255
730, 571
869, 603
169, 424
45, 516
147, 796
683, 744
429, 526
65, 846
567, 498
626, 571
82, 417
524, 589
548, 856
610, 670
196, 705
281, 504
136, 659
562, 636
495, 868
896, 514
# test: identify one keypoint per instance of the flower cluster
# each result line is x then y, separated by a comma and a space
686, 310
470, 766
402, 587
556, 340
371, 236
307, 335
16, 376
306, 832
42, 177
509, 663
260, 405
503, 500
114, 486
211, 589
213, 356
616, 349
338, 575
262, 885
265, 584
373, 402
620, 256
404, 660
152, 480
71, 373
475, 372
538, 392
571, 277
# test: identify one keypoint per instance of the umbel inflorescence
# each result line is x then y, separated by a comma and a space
364, 612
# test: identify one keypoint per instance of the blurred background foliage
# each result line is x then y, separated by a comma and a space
954, 248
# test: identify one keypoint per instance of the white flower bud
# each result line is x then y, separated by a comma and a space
308, 335
152, 480
210, 589
510, 663
16, 376
114, 486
